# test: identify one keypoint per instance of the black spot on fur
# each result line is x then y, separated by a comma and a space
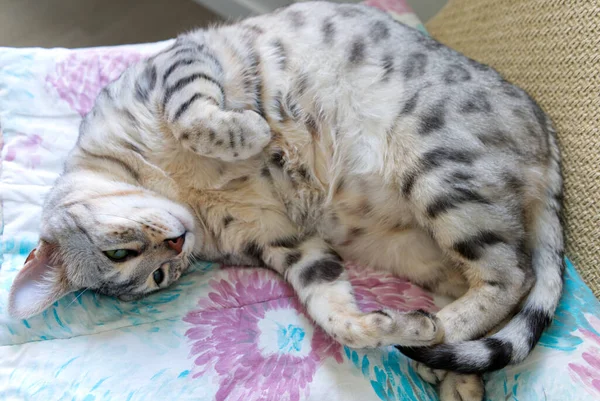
286, 242
497, 284
145, 84
477, 103
478, 66
387, 63
411, 104
277, 159
328, 30
356, 232
293, 257
379, 31
219, 142
408, 183
301, 84
321, 270
500, 140
278, 110
126, 167
212, 135
433, 119
185, 136
427, 41
537, 320
456, 73
254, 251
415, 66
175, 66
511, 90
447, 356
458, 177
438, 156
500, 352
227, 220
513, 183
453, 200
132, 147
297, 18
380, 312
303, 172
357, 52
280, 53
183, 82
265, 172
231, 139
472, 248
184, 50
311, 125
186, 105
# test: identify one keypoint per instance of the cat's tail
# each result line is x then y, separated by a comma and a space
514, 342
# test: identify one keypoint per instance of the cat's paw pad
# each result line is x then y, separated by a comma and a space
430, 375
459, 387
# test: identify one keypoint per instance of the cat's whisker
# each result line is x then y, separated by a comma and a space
77, 297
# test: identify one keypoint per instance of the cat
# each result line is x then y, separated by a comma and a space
301, 138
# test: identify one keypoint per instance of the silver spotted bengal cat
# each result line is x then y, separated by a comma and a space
297, 139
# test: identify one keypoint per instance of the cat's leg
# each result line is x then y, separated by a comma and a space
475, 223
191, 101
478, 223
317, 275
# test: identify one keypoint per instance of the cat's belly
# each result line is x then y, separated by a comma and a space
405, 251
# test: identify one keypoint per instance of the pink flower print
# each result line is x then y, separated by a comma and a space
26, 147
396, 6
375, 290
79, 78
587, 372
253, 332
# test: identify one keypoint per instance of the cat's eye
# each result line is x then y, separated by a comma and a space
158, 276
120, 255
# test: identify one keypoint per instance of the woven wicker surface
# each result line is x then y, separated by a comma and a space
551, 48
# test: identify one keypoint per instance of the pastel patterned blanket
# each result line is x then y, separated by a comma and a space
222, 333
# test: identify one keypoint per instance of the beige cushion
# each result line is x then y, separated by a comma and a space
551, 48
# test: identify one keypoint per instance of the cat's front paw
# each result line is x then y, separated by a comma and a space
240, 136
224, 134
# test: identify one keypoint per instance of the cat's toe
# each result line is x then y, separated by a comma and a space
459, 387
418, 328
430, 375
259, 131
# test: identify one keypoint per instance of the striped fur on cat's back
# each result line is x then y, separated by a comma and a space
297, 139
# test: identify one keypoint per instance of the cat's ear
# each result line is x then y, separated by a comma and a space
41, 282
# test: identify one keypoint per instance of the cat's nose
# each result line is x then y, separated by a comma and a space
176, 243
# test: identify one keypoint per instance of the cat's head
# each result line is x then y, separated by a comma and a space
114, 238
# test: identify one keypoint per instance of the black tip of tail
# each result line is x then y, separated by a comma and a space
449, 356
